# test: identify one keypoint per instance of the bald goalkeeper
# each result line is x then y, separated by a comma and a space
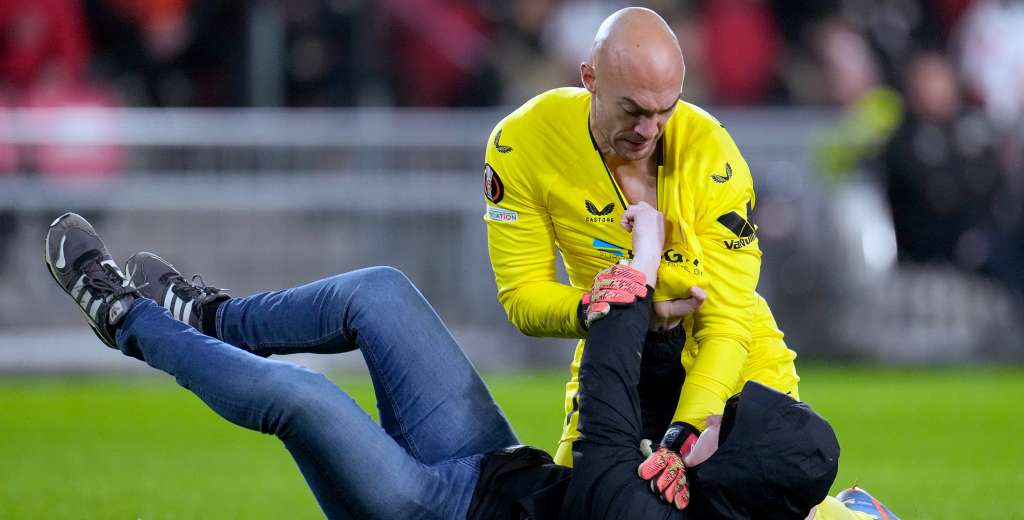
559, 173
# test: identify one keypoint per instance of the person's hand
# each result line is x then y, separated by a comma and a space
669, 313
707, 443
647, 225
665, 468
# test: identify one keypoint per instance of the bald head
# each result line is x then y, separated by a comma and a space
635, 75
636, 45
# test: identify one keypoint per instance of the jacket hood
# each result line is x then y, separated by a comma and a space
776, 459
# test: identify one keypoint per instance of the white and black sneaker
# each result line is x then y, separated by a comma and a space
80, 263
189, 301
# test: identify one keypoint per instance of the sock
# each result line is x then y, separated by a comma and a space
209, 321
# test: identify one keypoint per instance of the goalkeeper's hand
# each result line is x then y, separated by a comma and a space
619, 284
664, 467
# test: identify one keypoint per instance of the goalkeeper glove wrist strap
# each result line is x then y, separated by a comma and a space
680, 437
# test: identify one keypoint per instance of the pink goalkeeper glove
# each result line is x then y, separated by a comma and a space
619, 284
665, 468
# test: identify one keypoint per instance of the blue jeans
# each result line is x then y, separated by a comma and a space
437, 417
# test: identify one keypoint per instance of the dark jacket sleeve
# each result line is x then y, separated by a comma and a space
605, 483
661, 380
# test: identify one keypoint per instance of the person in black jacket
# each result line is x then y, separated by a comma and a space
775, 457
443, 448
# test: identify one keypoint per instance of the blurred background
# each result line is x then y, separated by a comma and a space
266, 143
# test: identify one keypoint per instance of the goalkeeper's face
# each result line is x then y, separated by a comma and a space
631, 121
633, 96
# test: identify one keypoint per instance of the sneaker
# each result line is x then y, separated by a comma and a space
80, 263
856, 499
159, 281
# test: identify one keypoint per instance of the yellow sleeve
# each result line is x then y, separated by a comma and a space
521, 243
732, 265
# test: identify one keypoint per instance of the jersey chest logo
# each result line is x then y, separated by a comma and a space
599, 214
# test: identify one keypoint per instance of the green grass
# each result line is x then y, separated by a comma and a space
932, 444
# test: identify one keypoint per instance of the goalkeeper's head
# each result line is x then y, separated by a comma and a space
635, 77
776, 458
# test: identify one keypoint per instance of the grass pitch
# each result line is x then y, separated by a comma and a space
931, 444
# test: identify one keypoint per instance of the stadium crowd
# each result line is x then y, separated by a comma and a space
932, 96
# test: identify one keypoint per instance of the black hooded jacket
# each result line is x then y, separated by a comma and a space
777, 457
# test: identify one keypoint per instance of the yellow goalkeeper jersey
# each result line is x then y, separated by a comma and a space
547, 191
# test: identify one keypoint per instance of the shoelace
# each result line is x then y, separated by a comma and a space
196, 288
106, 280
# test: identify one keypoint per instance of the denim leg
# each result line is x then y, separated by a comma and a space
353, 467
431, 398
